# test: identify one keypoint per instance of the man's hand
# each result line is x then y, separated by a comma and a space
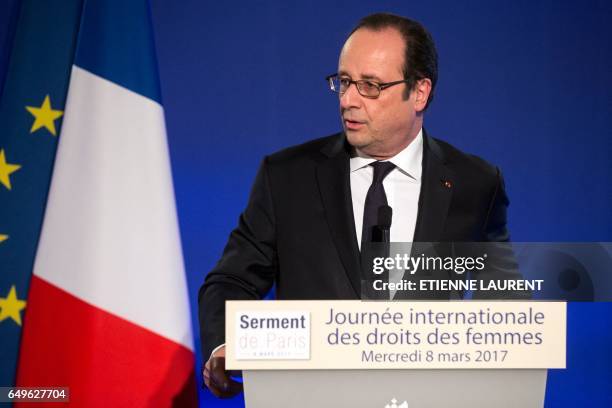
217, 379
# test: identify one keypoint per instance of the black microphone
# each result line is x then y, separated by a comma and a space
385, 214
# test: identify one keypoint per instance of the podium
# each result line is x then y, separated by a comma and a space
395, 354
472, 388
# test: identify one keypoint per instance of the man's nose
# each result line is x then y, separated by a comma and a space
350, 98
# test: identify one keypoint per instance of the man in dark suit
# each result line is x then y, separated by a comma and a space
311, 205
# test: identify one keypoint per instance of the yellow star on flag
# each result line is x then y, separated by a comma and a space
11, 306
6, 169
44, 116
3, 238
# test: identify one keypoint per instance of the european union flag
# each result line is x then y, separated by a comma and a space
31, 109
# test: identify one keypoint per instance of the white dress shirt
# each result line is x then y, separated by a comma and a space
402, 187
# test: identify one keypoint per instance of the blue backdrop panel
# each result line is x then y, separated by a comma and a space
524, 84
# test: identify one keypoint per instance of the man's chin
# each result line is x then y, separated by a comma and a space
364, 144
357, 139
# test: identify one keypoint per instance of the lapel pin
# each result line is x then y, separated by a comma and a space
446, 183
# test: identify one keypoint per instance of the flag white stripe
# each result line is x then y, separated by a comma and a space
110, 235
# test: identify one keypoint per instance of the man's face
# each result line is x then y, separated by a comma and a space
384, 126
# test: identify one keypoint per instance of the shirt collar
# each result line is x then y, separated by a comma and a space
409, 161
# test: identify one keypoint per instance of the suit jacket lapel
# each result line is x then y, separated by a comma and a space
436, 193
334, 185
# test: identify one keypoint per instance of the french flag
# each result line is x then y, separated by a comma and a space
108, 313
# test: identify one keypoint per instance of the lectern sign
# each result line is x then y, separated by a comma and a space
272, 335
300, 335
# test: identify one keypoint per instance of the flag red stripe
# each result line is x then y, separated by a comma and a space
105, 360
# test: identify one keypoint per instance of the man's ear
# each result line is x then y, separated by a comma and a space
421, 92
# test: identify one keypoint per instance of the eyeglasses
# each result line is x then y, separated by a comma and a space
367, 88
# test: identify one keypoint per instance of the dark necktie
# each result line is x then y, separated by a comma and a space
375, 199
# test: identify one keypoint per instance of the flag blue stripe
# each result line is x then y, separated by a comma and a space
39, 65
125, 54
